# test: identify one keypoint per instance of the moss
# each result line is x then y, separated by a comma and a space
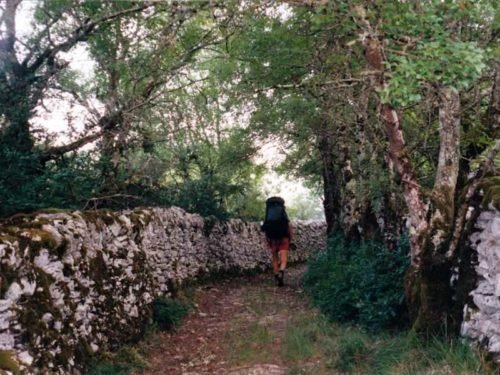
31, 312
140, 218
7, 362
36, 239
444, 201
97, 218
36, 332
19, 219
52, 210
7, 238
62, 358
491, 188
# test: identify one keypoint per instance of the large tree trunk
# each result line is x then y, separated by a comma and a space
397, 150
427, 284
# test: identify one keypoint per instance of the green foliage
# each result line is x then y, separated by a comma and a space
444, 62
124, 361
26, 185
359, 282
168, 313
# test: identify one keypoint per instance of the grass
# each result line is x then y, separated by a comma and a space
291, 333
249, 344
314, 346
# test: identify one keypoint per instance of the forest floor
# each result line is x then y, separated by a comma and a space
249, 326
237, 326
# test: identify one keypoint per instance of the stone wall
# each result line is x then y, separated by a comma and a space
482, 317
73, 283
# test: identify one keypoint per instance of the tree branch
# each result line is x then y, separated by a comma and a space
58, 151
78, 35
340, 83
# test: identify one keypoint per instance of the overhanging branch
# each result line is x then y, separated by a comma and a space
55, 152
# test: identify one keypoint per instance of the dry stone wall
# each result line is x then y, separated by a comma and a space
482, 317
74, 283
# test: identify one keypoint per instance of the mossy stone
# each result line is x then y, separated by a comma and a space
8, 363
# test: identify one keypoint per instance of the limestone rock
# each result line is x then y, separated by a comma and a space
482, 321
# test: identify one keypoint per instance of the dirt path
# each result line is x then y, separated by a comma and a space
237, 327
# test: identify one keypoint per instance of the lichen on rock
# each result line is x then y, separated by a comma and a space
482, 318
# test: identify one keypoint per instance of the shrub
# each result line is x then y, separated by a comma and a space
124, 361
360, 282
168, 313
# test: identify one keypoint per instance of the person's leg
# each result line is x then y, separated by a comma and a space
274, 248
283, 259
284, 246
276, 261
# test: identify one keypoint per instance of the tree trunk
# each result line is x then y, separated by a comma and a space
331, 200
427, 283
397, 149
428, 286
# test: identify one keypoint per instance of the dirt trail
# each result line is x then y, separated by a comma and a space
238, 327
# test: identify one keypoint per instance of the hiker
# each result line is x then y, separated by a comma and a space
278, 234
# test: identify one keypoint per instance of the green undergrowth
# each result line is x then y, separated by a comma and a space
360, 282
168, 313
292, 333
127, 359
313, 345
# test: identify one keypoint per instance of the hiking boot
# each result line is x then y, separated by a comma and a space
277, 278
281, 278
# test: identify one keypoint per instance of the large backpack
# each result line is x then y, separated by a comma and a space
276, 221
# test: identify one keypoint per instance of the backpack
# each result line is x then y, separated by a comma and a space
276, 221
